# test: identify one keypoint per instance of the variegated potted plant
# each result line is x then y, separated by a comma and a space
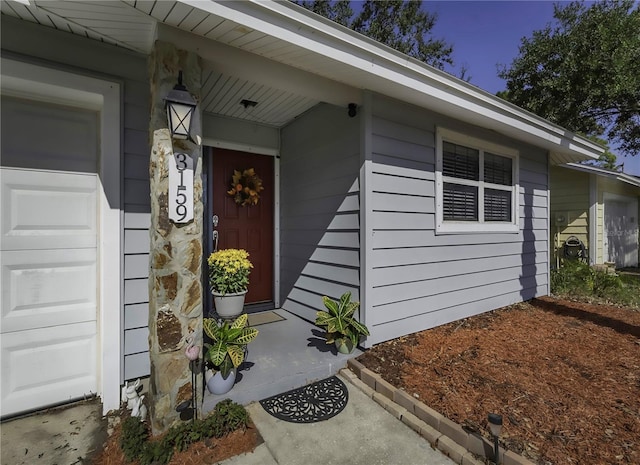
342, 328
227, 352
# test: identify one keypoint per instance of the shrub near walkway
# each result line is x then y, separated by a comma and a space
565, 376
225, 432
578, 279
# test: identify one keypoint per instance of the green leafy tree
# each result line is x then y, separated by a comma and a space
583, 71
402, 25
339, 11
608, 160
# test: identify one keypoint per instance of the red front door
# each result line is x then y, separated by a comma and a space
245, 227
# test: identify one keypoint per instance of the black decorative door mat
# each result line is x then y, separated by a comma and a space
309, 404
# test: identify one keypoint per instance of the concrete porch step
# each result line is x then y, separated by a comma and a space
286, 355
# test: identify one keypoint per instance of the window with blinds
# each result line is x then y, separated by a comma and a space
460, 202
477, 184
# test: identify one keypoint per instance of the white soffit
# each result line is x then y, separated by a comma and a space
231, 75
112, 22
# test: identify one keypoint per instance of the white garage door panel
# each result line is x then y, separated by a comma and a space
49, 136
48, 210
47, 380
49, 202
52, 287
621, 230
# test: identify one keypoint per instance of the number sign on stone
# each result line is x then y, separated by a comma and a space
181, 188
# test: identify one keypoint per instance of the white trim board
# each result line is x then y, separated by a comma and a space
55, 86
622, 177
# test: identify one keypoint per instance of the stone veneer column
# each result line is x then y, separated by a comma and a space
175, 286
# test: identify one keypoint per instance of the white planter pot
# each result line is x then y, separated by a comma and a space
216, 384
344, 345
229, 306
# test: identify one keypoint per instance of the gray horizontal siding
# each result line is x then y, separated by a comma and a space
217, 129
136, 315
84, 56
137, 365
342, 257
449, 285
136, 241
421, 320
137, 219
447, 300
420, 279
419, 272
319, 209
399, 239
136, 266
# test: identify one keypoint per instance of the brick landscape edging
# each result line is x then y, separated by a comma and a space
445, 435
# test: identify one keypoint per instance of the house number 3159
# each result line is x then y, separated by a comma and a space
181, 188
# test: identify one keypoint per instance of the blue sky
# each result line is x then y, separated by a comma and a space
487, 33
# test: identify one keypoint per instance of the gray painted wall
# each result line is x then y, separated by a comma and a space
61, 50
418, 279
252, 137
319, 209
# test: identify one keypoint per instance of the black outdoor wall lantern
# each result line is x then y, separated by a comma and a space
180, 106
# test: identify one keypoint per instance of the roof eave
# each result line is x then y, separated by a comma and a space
401, 76
622, 177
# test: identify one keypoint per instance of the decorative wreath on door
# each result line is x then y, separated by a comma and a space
245, 187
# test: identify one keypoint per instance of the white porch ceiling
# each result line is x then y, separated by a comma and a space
222, 94
133, 25
113, 22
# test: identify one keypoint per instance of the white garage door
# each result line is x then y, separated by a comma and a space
621, 230
49, 254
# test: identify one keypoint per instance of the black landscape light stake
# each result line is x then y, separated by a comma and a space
495, 425
194, 365
188, 409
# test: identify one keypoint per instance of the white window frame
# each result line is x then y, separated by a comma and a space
480, 226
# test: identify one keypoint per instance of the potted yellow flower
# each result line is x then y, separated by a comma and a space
228, 278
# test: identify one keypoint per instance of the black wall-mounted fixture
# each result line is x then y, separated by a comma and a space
352, 110
180, 106
248, 103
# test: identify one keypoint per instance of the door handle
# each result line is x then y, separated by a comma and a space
214, 234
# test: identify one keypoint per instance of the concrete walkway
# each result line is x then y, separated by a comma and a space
362, 434
286, 355
61, 436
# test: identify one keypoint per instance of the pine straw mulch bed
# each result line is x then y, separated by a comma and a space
207, 452
564, 375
